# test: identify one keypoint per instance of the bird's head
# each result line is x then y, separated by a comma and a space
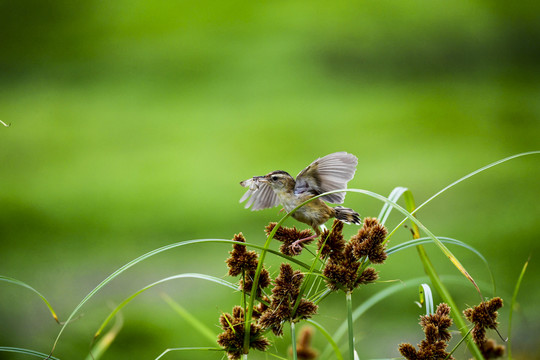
279, 181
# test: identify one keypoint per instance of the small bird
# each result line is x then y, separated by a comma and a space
331, 172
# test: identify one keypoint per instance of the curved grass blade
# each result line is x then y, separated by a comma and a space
512, 305
293, 341
20, 283
408, 215
192, 320
310, 276
441, 288
414, 220
417, 223
426, 240
350, 325
463, 338
317, 299
255, 284
370, 302
148, 255
189, 349
386, 209
426, 297
328, 337
105, 342
463, 179
447, 240
381, 295
272, 355
26, 352
180, 276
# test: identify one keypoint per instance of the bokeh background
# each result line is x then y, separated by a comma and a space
134, 121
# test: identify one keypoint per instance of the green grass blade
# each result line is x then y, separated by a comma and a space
293, 341
189, 349
426, 297
417, 223
463, 338
328, 337
255, 285
439, 285
180, 276
512, 306
192, 320
370, 302
350, 324
447, 240
310, 277
105, 342
474, 173
386, 209
145, 257
25, 285
442, 290
484, 168
321, 296
414, 220
272, 355
426, 240
27, 352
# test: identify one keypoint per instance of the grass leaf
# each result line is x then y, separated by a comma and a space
147, 287
512, 307
20, 283
328, 337
386, 209
439, 285
105, 342
369, 303
189, 349
447, 240
27, 352
149, 254
192, 320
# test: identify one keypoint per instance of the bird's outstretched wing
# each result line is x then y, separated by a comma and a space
328, 173
260, 195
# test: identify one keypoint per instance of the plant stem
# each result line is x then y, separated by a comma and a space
293, 341
442, 290
445, 294
348, 297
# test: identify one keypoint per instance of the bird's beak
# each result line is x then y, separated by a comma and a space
262, 179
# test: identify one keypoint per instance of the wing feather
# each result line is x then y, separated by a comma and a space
331, 172
260, 197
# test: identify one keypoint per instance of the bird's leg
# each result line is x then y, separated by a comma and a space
297, 248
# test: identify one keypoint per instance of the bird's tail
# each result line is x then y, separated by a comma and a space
348, 216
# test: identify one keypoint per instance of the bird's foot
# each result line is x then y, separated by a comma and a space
296, 247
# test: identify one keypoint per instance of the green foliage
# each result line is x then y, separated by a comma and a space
312, 270
132, 123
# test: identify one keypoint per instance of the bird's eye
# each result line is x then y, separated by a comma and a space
274, 178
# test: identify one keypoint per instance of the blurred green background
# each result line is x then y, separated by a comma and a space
134, 121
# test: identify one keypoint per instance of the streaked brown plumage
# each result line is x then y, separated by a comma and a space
328, 173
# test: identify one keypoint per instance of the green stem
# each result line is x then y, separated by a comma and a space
445, 295
293, 341
348, 297
458, 344
255, 285
244, 295
438, 284
512, 306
